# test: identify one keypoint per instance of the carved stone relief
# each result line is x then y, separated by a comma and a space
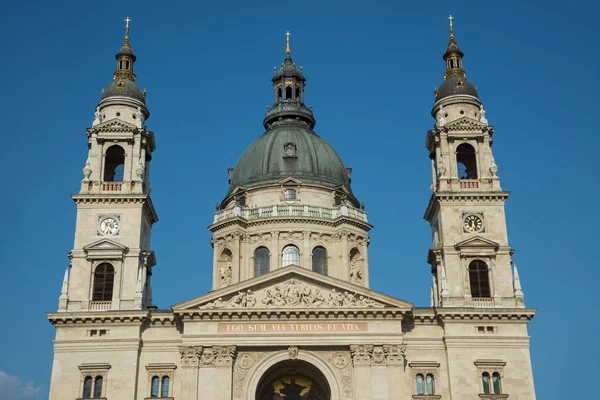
190, 355
244, 362
293, 293
343, 369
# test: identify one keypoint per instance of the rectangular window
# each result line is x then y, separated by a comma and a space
290, 194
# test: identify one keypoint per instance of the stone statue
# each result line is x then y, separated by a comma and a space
225, 272
482, 117
493, 167
87, 170
97, 117
355, 273
441, 117
140, 169
139, 118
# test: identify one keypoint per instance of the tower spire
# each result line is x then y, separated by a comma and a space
288, 90
125, 57
288, 50
453, 56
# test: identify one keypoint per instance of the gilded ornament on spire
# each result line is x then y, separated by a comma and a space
287, 42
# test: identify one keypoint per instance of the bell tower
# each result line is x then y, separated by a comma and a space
111, 261
470, 257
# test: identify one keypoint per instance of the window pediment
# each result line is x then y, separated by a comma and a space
477, 245
105, 249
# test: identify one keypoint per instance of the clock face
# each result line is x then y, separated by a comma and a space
109, 226
472, 223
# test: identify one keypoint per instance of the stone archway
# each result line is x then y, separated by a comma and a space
293, 380
308, 364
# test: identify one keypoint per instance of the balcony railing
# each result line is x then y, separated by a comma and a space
469, 183
100, 305
483, 302
112, 187
289, 210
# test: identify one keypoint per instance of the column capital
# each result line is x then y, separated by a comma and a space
361, 354
190, 355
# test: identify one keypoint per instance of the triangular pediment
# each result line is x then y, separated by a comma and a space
104, 244
115, 123
238, 189
290, 180
292, 287
465, 124
477, 242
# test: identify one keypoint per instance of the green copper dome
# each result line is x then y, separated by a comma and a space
289, 150
123, 86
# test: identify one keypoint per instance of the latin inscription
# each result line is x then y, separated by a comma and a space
294, 328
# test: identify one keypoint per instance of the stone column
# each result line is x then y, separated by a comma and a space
190, 356
395, 355
361, 359
223, 372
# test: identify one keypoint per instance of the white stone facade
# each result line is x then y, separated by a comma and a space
329, 328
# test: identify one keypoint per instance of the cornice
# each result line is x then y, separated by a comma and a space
91, 317
451, 314
459, 197
278, 315
96, 199
334, 223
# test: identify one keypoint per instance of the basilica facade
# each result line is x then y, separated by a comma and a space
291, 314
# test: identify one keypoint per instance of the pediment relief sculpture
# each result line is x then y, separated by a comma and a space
294, 294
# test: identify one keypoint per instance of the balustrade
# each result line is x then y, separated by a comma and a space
100, 305
485, 302
287, 210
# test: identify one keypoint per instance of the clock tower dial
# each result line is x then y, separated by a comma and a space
472, 223
109, 226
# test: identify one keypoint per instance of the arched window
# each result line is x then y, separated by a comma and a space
479, 279
290, 256
319, 260
164, 389
279, 94
485, 380
297, 94
429, 384
154, 386
419, 384
288, 93
114, 163
496, 382
98, 387
261, 261
466, 161
104, 278
87, 387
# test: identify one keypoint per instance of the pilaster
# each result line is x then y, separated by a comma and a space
361, 359
190, 357
224, 371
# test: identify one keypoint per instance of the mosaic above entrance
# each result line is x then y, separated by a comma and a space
292, 387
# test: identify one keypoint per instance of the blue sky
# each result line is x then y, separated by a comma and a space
371, 68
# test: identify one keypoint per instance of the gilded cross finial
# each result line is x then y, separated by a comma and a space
127, 21
287, 42
451, 18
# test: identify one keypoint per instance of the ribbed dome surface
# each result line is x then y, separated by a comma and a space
266, 160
